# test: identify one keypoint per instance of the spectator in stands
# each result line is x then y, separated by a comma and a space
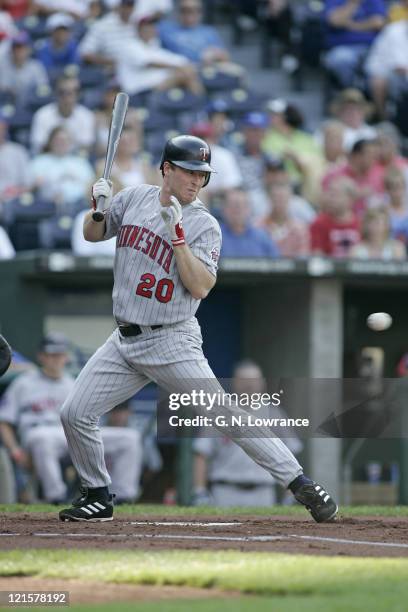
131, 166
364, 170
351, 108
107, 38
223, 475
20, 75
377, 242
104, 114
76, 8
286, 138
351, 27
188, 36
31, 429
290, 235
17, 8
84, 248
251, 159
396, 199
60, 176
333, 133
7, 250
153, 8
227, 174
60, 49
7, 25
389, 148
337, 228
78, 120
13, 166
387, 65
240, 238
398, 11
144, 65
274, 173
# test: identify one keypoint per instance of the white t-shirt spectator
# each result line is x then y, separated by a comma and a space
134, 62
21, 80
108, 37
80, 125
389, 50
13, 169
227, 174
6, 248
78, 8
82, 247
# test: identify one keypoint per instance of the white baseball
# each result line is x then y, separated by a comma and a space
379, 321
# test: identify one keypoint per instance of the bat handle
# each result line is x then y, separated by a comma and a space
98, 215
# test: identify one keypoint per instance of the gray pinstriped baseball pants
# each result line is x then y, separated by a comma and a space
171, 357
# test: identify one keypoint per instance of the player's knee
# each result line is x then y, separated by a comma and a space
68, 415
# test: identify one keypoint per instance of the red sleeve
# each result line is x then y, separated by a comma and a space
318, 236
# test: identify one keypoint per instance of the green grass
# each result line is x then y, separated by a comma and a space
168, 511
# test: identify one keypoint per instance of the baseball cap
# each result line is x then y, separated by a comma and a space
54, 343
273, 162
278, 105
255, 119
218, 105
59, 20
202, 129
21, 38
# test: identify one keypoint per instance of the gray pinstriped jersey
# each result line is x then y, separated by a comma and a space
147, 286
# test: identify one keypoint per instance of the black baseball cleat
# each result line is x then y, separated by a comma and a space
319, 503
89, 507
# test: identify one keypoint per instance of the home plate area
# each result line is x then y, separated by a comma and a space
365, 536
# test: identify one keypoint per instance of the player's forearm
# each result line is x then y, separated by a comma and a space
93, 231
193, 273
8, 437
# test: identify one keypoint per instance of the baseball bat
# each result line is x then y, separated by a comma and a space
115, 130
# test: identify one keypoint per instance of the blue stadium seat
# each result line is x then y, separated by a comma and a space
55, 233
176, 100
239, 101
34, 25
155, 121
91, 76
27, 207
216, 80
39, 96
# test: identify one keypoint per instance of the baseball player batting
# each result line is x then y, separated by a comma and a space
167, 249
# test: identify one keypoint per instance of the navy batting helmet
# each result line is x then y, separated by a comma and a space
188, 152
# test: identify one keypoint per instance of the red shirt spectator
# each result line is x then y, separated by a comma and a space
364, 170
16, 8
337, 229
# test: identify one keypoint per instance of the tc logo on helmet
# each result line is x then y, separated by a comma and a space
204, 153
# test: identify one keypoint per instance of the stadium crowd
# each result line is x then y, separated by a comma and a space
280, 189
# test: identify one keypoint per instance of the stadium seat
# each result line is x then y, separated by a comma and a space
238, 102
27, 208
55, 233
34, 25
176, 100
216, 80
40, 96
91, 76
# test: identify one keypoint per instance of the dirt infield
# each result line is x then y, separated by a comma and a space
365, 536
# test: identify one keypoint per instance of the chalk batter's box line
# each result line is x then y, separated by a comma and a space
262, 538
